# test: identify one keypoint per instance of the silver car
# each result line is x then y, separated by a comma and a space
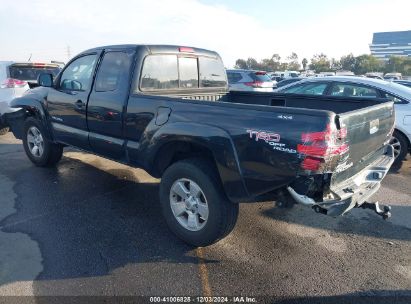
249, 80
366, 88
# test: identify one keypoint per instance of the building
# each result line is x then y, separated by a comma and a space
388, 44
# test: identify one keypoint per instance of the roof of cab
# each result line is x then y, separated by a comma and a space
156, 48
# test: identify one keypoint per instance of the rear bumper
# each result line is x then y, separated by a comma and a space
355, 191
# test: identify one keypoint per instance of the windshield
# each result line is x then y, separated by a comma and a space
30, 73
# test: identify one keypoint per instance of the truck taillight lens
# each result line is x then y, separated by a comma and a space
254, 84
319, 147
10, 83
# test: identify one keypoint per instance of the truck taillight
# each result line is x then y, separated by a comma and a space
319, 147
10, 83
254, 84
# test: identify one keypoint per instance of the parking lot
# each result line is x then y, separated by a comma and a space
94, 227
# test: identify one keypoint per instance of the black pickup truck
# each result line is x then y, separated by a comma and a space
166, 109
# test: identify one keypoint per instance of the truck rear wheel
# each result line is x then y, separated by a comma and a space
4, 131
41, 151
194, 203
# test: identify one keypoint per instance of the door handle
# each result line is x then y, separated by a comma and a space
79, 104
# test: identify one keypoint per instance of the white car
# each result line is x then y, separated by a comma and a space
367, 88
249, 80
15, 79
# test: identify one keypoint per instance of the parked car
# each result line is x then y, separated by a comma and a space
15, 79
288, 81
375, 75
248, 80
404, 82
393, 76
366, 87
166, 109
290, 74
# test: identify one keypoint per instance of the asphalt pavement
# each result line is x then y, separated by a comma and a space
92, 227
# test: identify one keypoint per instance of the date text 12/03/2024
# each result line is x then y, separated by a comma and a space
203, 299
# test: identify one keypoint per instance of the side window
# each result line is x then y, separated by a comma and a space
212, 73
78, 74
352, 90
159, 72
393, 98
234, 77
307, 88
188, 72
111, 71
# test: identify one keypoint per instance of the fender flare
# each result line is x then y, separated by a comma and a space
215, 139
30, 107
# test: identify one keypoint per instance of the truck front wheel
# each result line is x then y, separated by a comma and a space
41, 151
194, 203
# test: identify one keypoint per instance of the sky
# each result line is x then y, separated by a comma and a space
45, 30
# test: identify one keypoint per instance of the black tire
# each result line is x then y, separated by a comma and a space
4, 131
400, 143
222, 214
52, 152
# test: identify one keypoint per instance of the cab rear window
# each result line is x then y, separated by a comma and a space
159, 72
212, 73
173, 72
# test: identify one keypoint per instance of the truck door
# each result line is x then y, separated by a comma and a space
67, 101
105, 109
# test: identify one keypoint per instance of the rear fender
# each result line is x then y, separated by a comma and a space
217, 140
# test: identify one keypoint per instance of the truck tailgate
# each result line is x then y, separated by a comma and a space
368, 130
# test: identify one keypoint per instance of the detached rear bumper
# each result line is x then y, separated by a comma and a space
4, 110
355, 191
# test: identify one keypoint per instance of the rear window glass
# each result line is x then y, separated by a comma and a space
159, 73
31, 73
165, 72
259, 77
233, 77
352, 90
310, 89
188, 72
212, 73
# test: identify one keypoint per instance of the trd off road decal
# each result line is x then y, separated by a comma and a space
271, 138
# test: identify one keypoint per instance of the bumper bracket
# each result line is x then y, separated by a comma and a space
382, 210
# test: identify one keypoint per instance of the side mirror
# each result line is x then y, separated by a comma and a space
45, 80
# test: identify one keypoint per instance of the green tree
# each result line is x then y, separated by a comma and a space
304, 63
348, 62
320, 63
293, 63
395, 64
335, 64
252, 64
276, 61
240, 64
366, 63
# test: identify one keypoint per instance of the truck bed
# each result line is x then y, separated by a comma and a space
335, 104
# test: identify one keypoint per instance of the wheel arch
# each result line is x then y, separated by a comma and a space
178, 141
30, 107
406, 138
